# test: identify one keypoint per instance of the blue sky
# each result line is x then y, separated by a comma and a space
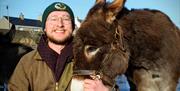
34, 8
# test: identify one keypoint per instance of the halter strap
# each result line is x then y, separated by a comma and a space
84, 72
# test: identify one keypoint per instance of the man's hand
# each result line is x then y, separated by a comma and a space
94, 85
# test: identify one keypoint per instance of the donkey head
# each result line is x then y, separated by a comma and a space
98, 44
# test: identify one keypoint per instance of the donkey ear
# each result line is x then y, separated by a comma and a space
113, 8
11, 34
100, 1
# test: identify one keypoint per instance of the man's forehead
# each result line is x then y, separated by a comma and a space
60, 13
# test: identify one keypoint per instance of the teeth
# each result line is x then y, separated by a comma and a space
60, 31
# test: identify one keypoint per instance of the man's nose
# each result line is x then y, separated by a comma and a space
60, 22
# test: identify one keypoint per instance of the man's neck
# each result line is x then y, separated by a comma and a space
56, 47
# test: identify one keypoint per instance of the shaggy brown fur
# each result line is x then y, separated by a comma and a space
144, 44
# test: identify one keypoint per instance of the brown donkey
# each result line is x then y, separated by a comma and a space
143, 44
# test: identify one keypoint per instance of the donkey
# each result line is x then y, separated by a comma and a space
10, 54
144, 44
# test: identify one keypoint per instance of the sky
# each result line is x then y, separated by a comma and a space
33, 8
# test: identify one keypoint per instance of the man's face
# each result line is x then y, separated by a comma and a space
58, 27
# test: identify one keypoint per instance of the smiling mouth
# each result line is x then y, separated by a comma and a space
59, 31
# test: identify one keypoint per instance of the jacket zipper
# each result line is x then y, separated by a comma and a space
56, 87
56, 82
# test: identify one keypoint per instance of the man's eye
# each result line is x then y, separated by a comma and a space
52, 19
67, 19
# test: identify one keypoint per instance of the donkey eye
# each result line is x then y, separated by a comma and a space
91, 49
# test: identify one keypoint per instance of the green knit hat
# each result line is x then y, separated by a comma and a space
57, 6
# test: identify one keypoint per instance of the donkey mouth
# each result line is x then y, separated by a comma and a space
79, 76
78, 79
90, 74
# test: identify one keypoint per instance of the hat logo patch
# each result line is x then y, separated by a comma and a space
60, 6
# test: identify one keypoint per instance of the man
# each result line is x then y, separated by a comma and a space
49, 67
